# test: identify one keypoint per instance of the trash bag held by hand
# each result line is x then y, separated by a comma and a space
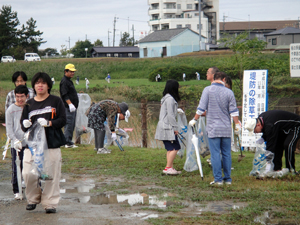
202, 138
37, 143
191, 158
122, 137
263, 162
182, 136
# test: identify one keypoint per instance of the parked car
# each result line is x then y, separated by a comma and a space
31, 57
7, 59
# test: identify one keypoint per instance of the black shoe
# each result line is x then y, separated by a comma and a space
30, 206
51, 210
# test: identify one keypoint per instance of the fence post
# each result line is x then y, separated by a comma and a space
144, 122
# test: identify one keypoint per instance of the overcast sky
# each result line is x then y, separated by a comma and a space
78, 19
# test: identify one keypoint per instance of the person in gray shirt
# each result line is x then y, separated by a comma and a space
15, 133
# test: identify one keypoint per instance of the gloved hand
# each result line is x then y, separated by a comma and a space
180, 111
72, 107
27, 123
43, 122
237, 129
192, 122
113, 136
260, 141
17, 145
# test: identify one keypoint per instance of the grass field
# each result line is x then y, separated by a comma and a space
140, 168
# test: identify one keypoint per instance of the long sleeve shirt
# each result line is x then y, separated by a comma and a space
219, 102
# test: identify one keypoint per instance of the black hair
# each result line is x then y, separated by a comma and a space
172, 89
44, 77
17, 74
228, 81
214, 69
21, 89
220, 75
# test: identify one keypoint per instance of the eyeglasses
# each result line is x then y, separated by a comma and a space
22, 96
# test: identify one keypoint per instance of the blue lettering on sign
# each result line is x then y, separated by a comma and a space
253, 76
251, 101
252, 93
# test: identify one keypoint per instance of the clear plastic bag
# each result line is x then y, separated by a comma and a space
263, 162
202, 138
37, 143
81, 130
182, 130
191, 158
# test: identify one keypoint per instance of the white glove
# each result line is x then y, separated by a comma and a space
27, 123
17, 145
192, 122
43, 122
113, 136
237, 129
180, 111
72, 107
260, 141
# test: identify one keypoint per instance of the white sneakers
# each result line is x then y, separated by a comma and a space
171, 171
220, 183
103, 151
18, 196
71, 146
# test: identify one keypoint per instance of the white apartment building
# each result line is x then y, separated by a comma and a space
169, 14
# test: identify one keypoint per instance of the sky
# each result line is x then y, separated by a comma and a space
94, 19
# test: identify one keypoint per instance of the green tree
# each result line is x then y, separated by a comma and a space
79, 49
242, 48
8, 29
30, 37
126, 40
98, 43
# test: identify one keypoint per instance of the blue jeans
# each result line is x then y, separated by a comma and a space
69, 127
215, 145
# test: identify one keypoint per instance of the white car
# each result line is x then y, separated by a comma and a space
7, 59
31, 57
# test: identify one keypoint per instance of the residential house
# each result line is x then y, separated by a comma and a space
169, 42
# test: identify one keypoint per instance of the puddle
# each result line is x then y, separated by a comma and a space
81, 192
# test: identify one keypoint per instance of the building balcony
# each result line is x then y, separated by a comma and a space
165, 10
169, 1
153, 11
153, 2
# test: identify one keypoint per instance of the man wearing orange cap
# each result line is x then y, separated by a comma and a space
69, 96
280, 129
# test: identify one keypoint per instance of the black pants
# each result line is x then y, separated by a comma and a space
14, 179
99, 138
286, 143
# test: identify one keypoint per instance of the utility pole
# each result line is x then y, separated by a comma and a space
69, 42
108, 37
115, 20
249, 26
200, 26
128, 24
132, 35
224, 22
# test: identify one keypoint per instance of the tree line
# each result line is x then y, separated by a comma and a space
16, 40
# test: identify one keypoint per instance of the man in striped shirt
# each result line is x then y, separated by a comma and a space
219, 104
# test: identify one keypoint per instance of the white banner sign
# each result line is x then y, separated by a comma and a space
255, 101
295, 60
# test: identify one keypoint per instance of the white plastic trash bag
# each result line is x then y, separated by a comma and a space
37, 143
182, 130
81, 129
262, 163
122, 137
191, 158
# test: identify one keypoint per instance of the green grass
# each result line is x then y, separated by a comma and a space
141, 168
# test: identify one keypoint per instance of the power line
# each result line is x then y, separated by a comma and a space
134, 20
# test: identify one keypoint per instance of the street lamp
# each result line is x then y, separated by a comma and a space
86, 49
